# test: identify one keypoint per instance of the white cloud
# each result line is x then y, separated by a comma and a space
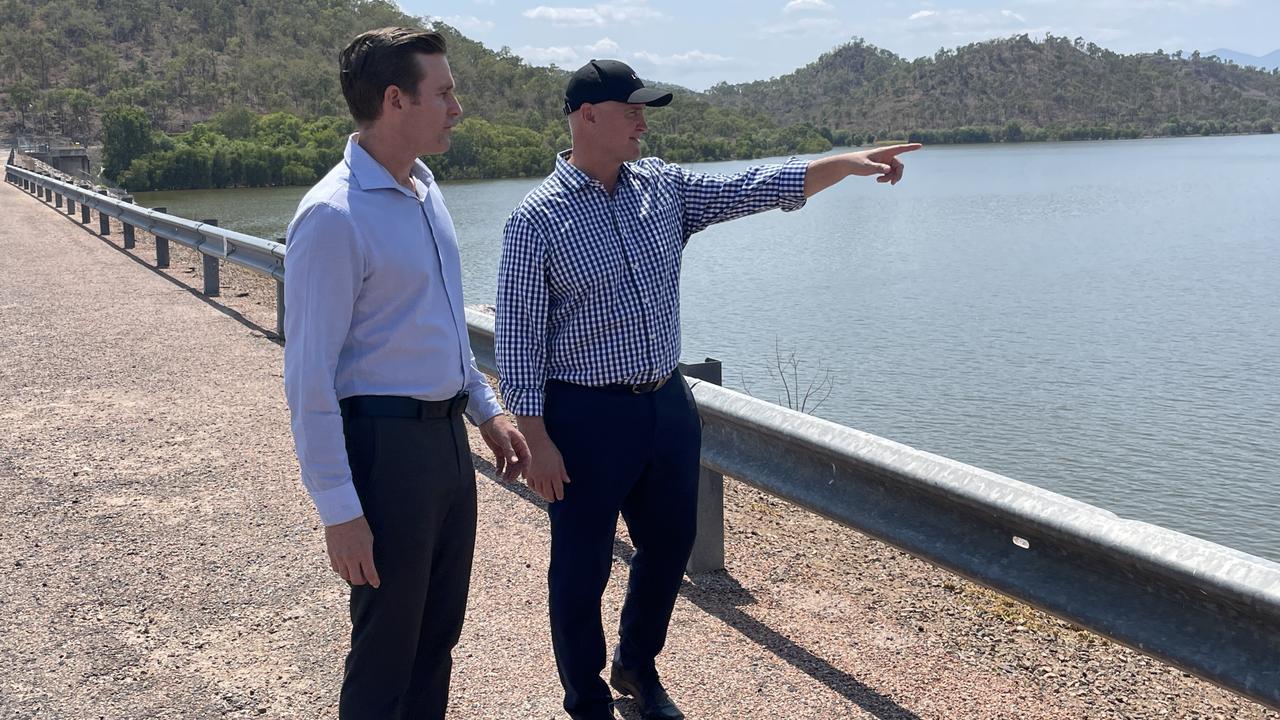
597, 15
572, 56
693, 57
468, 24
566, 16
603, 46
808, 27
958, 24
563, 56
800, 5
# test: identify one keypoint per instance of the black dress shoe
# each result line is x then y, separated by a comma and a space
648, 692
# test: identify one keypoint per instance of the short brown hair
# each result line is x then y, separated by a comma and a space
377, 59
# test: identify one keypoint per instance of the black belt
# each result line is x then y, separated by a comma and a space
402, 407
642, 388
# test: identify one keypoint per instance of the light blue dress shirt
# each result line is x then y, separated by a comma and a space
373, 306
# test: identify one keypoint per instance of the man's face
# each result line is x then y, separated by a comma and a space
432, 114
619, 126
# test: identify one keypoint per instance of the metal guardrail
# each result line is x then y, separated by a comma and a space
212, 242
1199, 606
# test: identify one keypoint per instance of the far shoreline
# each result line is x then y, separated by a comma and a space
834, 148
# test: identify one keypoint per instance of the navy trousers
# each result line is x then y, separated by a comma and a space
631, 454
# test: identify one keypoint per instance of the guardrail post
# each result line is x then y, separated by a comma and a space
708, 544
71, 205
57, 200
84, 214
280, 300
162, 245
126, 229
104, 223
210, 268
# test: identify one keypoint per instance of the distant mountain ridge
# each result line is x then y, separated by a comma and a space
1047, 83
201, 71
1270, 61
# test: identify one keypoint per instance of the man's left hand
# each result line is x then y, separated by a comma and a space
510, 451
883, 162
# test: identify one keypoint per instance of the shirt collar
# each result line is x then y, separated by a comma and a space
371, 175
573, 178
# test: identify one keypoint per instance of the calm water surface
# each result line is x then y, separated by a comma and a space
1099, 319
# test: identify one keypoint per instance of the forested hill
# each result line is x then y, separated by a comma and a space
185, 60
204, 93
1050, 83
64, 63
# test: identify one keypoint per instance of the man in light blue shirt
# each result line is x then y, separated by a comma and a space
379, 371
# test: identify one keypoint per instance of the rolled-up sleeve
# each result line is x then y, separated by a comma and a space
710, 198
324, 267
521, 324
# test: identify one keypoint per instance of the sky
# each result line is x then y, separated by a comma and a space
697, 43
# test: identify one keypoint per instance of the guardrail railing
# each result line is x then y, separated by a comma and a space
212, 242
1205, 608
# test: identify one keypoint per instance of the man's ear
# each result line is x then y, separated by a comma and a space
588, 112
393, 96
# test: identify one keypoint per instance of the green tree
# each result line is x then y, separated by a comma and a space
126, 134
234, 122
21, 97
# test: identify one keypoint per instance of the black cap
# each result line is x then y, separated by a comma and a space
605, 80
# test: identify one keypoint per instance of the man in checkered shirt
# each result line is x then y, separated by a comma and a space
588, 338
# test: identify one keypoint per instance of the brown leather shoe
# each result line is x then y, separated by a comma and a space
647, 691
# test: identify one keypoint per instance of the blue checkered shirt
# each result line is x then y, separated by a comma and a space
589, 285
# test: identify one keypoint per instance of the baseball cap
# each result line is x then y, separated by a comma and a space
604, 80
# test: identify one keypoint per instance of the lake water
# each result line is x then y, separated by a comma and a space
1099, 319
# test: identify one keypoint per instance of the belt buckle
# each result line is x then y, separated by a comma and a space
651, 386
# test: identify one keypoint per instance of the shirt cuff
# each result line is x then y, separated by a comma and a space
483, 406
523, 401
337, 505
792, 184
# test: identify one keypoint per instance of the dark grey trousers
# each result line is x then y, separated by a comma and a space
417, 486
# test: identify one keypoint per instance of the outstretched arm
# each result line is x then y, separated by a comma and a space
827, 171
